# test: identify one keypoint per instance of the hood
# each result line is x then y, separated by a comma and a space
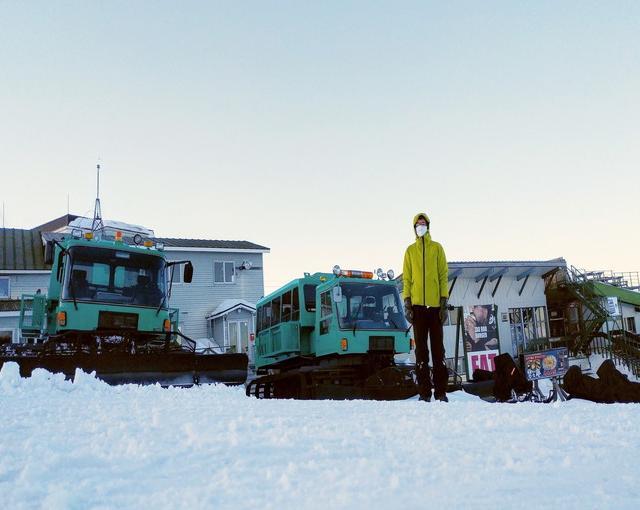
415, 220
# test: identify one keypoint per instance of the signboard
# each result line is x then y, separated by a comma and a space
482, 360
612, 305
481, 343
546, 364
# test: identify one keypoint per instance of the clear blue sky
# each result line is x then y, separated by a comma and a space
320, 128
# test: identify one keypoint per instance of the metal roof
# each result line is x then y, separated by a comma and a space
209, 243
557, 262
56, 224
21, 250
625, 295
184, 243
508, 268
495, 268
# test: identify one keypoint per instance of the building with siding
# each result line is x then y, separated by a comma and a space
22, 271
628, 305
220, 302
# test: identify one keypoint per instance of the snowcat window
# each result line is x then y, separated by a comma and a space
260, 319
325, 301
60, 266
325, 312
267, 315
101, 275
275, 311
295, 313
286, 306
310, 297
370, 306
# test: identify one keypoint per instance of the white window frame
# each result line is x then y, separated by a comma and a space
8, 296
224, 272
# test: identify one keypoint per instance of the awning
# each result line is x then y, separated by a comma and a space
229, 305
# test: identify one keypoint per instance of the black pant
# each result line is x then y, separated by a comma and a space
426, 323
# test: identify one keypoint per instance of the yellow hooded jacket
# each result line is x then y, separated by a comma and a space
425, 274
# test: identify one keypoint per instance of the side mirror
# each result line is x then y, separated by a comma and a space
337, 294
49, 248
188, 272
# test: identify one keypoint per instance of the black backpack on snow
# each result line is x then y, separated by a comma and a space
509, 377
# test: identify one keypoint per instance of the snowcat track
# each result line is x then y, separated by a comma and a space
390, 383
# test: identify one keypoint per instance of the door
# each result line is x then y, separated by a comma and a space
239, 335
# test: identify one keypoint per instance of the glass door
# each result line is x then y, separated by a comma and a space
238, 336
243, 344
233, 335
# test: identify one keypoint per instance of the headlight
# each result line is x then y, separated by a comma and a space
336, 270
390, 274
380, 273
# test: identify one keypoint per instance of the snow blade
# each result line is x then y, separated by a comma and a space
176, 368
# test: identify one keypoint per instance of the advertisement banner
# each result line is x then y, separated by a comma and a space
613, 306
546, 364
481, 342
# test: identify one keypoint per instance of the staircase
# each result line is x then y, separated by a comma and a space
592, 314
597, 331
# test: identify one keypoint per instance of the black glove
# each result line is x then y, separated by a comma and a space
408, 310
443, 309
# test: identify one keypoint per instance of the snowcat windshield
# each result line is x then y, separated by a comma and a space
370, 306
102, 275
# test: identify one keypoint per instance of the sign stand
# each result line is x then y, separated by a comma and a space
550, 364
557, 393
536, 393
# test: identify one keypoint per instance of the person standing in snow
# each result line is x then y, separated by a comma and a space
425, 291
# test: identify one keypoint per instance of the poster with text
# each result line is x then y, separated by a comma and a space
546, 364
481, 342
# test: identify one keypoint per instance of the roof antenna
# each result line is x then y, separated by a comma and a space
97, 213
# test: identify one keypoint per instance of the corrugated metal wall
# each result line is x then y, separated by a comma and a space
465, 293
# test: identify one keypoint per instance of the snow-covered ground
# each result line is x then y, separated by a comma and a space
88, 445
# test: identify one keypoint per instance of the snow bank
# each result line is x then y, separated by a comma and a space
89, 445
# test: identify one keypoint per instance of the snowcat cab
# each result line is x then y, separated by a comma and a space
108, 286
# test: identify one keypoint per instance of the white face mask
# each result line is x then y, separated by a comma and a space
421, 230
